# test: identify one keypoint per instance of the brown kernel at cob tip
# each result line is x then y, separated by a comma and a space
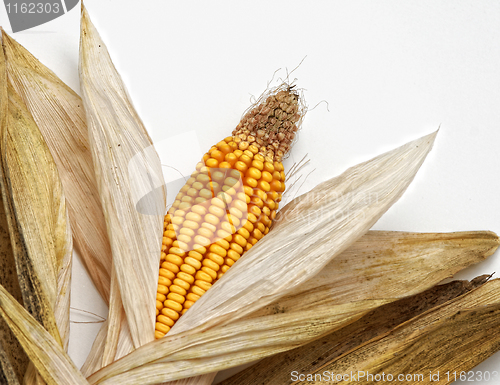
271, 125
226, 206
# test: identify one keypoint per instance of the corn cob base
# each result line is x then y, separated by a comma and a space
225, 207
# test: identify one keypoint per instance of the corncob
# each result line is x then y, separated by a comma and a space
226, 206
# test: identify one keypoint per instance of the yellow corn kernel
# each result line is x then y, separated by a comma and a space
162, 328
226, 206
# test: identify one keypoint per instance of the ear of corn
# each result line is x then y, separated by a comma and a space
227, 205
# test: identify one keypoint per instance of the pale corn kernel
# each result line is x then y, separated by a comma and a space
202, 276
212, 273
216, 258
164, 281
188, 269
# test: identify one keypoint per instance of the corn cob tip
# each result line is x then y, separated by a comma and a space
272, 123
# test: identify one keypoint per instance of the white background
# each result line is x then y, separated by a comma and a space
390, 71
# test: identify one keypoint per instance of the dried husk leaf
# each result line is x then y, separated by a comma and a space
309, 231
284, 325
239, 342
36, 215
58, 113
329, 218
312, 357
130, 184
388, 264
94, 360
8, 375
377, 265
455, 336
51, 361
13, 359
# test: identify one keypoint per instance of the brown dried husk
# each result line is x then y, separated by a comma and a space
49, 358
36, 216
453, 337
13, 359
371, 273
58, 112
311, 358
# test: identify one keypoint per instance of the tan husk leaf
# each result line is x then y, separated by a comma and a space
13, 359
388, 264
288, 249
94, 360
309, 231
314, 356
455, 336
8, 374
58, 113
51, 361
36, 214
283, 326
130, 184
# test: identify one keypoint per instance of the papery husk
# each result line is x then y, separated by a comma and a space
94, 359
311, 358
36, 214
453, 337
59, 114
388, 265
316, 226
8, 375
13, 359
50, 359
373, 272
131, 187
279, 264
309, 232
